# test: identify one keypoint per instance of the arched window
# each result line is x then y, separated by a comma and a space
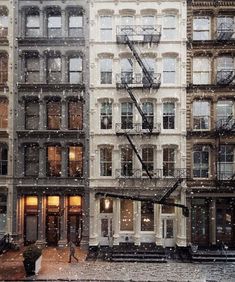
3, 159
54, 22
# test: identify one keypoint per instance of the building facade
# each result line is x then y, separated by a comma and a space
51, 124
137, 122
6, 116
210, 122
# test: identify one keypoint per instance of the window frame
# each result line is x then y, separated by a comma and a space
201, 149
169, 162
33, 13
106, 29
197, 32
32, 115
106, 161
76, 117
54, 115
201, 115
78, 71
127, 116
106, 110
55, 171
127, 161
169, 117
3, 162
4, 113
106, 71
32, 160
76, 171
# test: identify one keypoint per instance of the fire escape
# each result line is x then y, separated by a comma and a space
157, 187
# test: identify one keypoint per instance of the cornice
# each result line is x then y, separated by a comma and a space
211, 3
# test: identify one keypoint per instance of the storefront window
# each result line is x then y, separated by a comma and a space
147, 216
126, 215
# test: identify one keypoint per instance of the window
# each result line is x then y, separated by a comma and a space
3, 113
106, 205
106, 28
148, 24
75, 109
31, 114
3, 68
126, 216
201, 115
126, 71
148, 160
75, 161
126, 162
225, 69
147, 216
32, 69
54, 70
127, 23
168, 161
224, 111
75, 70
53, 161
3, 23
201, 70
169, 70
3, 159
106, 115
168, 115
201, 161
169, 27
225, 27
31, 160
106, 162
54, 23
127, 115
75, 25
149, 114
33, 24
226, 162
53, 114
201, 28
106, 71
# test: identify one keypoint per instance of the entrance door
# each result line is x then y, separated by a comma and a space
74, 228
31, 232
52, 232
168, 232
106, 231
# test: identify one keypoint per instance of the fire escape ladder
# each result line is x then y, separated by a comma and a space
145, 120
136, 55
138, 156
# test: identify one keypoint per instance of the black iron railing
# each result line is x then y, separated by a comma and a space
225, 124
137, 128
225, 32
138, 79
225, 76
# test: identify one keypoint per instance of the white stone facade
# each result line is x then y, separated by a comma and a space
171, 16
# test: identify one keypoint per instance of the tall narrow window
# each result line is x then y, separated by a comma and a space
32, 69
126, 216
169, 27
3, 69
169, 70
75, 70
3, 23
201, 115
106, 28
75, 109
53, 161
168, 161
226, 162
53, 114
31, 161
75, 161
75, 25
225, 114
168, 115
126, 162
148, 24
147, 216
148, 160
31, 114
225, 69
106, 115
106, 161
54, 23
201, 28
201, 70
3, 113
54, 70
127, 115
106, 71
149, 114
127, 25
126, 71
3, 159
201, 161
32, 24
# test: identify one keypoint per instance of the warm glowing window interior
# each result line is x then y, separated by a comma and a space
75, 201
53, 201
31, 201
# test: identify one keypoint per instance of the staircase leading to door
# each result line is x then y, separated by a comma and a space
213, 255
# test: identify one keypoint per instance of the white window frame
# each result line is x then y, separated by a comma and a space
201, 70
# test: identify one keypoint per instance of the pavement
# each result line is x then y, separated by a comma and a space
55, 267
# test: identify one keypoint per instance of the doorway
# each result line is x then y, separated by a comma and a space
74, 228
30, 219
106, 231
52, 229
168, 231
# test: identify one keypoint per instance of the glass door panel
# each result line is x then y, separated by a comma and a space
31, 232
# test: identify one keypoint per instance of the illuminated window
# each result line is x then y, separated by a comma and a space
53, 114
3, 113
75, 161
75, 203
106, 205
31, 114
31, 204
53, 161
53, 204
126, 217
147, 216
75, 115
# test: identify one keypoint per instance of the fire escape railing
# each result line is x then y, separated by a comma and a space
138, 80
225, 32
137, 128
225, 76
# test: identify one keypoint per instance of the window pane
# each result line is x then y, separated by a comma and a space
106, 115
201, 28
53, 115
53, 161
126, 217
106, 162
75, 161
147, 216
32, 25
75, 115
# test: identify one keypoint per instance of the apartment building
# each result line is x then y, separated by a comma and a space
210, 123
51, 124
137, 123
6, 116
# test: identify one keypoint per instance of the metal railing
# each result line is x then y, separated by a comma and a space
225, 32
137, 79
225, 77
226, 124
137, 128
177, 173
